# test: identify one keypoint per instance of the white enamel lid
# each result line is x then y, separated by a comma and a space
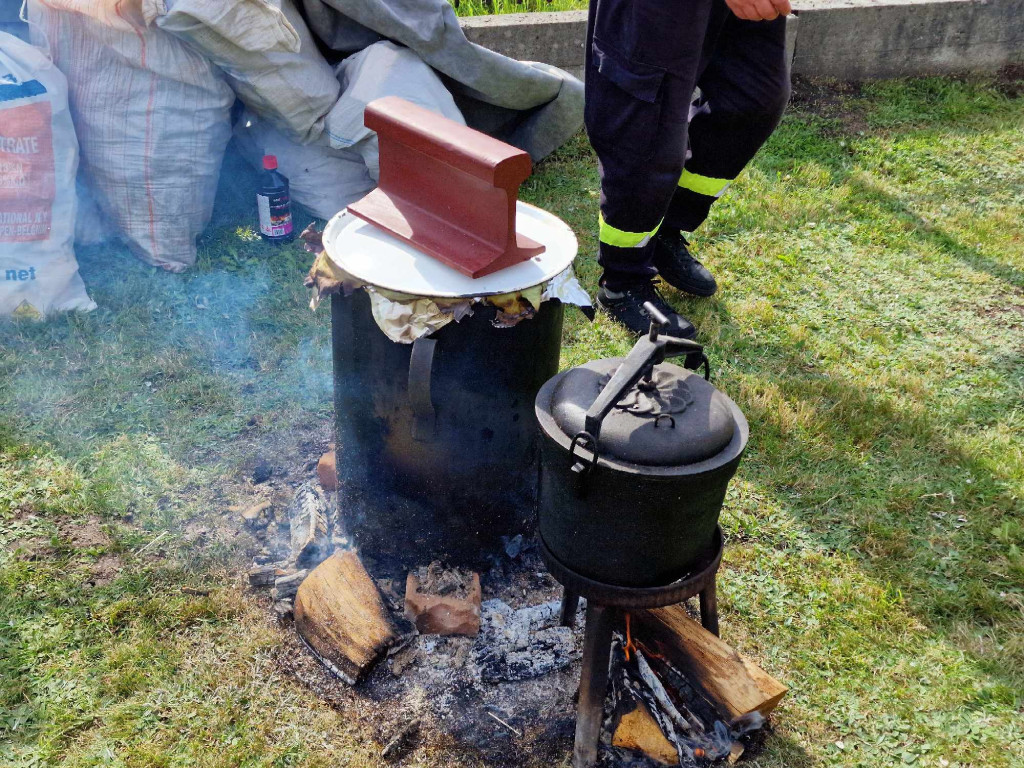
376, 258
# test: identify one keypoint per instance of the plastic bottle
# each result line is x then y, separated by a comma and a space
274, 203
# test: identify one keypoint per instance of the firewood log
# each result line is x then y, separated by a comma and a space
342, 618
733, 683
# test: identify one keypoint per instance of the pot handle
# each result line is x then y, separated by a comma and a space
639, 363
421, 366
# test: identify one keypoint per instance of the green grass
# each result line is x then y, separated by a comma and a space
870, 323
486, 7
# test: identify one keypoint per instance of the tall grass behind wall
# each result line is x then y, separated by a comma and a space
487, 7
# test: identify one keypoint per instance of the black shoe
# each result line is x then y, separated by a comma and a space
629, 310
678, 268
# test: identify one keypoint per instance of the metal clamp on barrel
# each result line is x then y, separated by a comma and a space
583, 465
421, 365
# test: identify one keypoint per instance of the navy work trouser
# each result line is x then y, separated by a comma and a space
664, 158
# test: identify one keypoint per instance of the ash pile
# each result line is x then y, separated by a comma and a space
478, 662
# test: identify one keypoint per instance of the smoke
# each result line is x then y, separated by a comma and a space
169, 353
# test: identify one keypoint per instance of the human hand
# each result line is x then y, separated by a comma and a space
759, 10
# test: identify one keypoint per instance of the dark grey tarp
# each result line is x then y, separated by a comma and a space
533, 106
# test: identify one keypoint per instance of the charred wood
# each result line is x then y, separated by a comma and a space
734, 684
400, 744
285, 587
340, 615
264, 575
310, 537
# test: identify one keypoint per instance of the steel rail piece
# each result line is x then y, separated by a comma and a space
605, 603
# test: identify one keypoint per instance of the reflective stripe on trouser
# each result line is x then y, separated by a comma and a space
638, 115
703, 185
620, 238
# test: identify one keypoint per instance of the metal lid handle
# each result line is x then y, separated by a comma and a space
646, 353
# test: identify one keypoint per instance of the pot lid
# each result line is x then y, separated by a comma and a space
676, 418
376, 258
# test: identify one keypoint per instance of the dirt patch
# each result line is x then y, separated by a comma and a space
105, 570
36, 548
1010, 81
1009, 304
1011, 314
830, 100
87, 535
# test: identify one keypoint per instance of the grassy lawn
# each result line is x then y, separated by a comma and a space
485, 7
870, 323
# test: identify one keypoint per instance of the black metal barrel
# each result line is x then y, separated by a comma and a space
437, 441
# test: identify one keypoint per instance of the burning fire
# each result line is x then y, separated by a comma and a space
632, 646
629, 647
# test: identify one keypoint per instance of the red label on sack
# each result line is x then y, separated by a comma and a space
27, 182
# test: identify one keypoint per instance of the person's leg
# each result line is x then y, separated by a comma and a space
643, 60
744, 91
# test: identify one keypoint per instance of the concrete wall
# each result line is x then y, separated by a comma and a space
854, 39
554, 38
844, 39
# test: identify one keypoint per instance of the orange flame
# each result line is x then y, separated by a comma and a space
649, 652
629, 638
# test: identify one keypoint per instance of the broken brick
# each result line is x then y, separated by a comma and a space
440, 614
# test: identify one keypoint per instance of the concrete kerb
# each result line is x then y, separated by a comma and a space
858, 39
555, 37
842, 39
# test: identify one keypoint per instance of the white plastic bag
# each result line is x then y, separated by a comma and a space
268, 54
383, 69
321, 179
38, 162
153, 120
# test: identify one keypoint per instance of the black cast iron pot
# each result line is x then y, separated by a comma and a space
635, 463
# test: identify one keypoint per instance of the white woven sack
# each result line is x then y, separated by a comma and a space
152, 118
268, 54
321, 179
38, 161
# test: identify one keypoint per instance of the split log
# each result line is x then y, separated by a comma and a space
340, 615
327, 471
733, 683
735, 752
258, 516
638, 730
286, 586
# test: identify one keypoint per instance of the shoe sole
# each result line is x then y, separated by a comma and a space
700, 293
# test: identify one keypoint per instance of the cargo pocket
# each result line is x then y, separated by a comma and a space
623, 107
